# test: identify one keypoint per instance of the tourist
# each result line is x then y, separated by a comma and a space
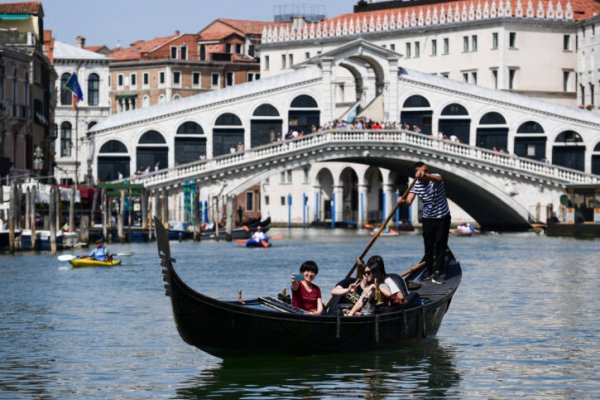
436, 217
373, 277
305, 294
100, 253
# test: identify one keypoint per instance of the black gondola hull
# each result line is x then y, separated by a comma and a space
226, 329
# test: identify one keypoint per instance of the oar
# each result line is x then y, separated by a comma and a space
125, 254
381, 229
66, 257
374, 238
264, 243
413, 269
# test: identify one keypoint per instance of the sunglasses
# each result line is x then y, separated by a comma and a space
367, 273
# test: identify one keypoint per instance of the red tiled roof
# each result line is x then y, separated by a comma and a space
33, 8
251, 27
138, 48
213, 32
95, 48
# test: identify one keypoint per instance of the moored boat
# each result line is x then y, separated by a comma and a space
91, 262
579, 214
268, 325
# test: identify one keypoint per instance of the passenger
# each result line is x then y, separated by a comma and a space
375, 274
305, 294
100, 252
393, 291
259, 235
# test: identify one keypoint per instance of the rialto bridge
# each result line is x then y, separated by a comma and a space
510, 162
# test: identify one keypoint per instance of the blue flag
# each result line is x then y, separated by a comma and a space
72, 85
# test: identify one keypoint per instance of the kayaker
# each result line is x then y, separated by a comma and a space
100, 253
259, 235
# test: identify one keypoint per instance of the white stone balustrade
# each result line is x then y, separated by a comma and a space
430, 147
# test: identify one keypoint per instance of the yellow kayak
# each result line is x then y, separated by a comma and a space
90, 262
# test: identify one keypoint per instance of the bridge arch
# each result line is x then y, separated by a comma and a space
530, 140
303, 113
454, 120
417, 113
323, 185
228, 133
492, 132
113, 158
569, 150
152, 151
374, 179
190, 143
265, 125
350, 204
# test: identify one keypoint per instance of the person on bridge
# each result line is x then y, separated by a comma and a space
436, 217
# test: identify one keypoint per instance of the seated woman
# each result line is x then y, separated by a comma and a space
373, 274
305, 294
394, 289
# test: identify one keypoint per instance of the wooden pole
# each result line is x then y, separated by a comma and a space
196, 211
104, 208
33, 212
72, 210
55, 198
216, 216
11, 217
94, 205
163, 207
27, 205
144, 207
129, 215
120, 221
152, 206
229, 219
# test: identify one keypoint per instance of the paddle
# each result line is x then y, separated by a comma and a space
69, 257
374, 238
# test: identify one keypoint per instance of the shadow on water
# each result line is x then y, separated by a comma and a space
427, 370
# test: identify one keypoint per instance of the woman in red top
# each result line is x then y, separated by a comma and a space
305, 294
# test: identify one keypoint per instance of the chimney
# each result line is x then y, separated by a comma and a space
80, 42
177, 33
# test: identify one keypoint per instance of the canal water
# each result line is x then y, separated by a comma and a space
524, 323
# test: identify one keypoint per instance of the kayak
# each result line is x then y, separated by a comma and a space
89, 262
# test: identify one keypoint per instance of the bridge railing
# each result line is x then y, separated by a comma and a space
462, 151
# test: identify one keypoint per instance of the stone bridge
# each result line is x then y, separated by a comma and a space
497, 189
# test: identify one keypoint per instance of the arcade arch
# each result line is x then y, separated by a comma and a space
417, 113
596, 160
265, 125
454, 120
349, 203
113, 158
190, 143
324, 194
569, 150
530, 141
492, 132
304, 113
152, 151
227, 134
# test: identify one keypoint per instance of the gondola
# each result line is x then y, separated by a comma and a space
267, 325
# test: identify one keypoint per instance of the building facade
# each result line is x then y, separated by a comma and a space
27, 97
74, 147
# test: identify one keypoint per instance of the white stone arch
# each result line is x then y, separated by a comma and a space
99, 154
374, 180
323, 188
350, 193
514, 135
583, 143
430, 97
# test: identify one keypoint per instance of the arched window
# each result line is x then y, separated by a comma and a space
152, 137
228, 119
93, 90
596, 160
177, 97
191, 128
190, 143
304, 101
530, 127
65, 139
454, 109
91, 125
530, 141
266, 110
416, 101
113, 146
161, 99
569, 150
492, 118
146, 101
113, 161
65, 95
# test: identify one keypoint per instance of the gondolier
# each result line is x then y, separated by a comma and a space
436, 217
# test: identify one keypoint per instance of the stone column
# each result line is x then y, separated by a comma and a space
328, 108
362, 204
338, 190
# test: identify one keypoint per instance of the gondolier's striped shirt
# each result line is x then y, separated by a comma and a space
433, 196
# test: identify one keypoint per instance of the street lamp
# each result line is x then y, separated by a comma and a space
38, 160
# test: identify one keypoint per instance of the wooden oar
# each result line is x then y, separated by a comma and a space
374, 238
413, 269
381, 228
66, 257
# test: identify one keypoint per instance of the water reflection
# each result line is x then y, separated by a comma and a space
427, 370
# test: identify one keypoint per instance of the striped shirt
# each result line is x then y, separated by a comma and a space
433, 196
